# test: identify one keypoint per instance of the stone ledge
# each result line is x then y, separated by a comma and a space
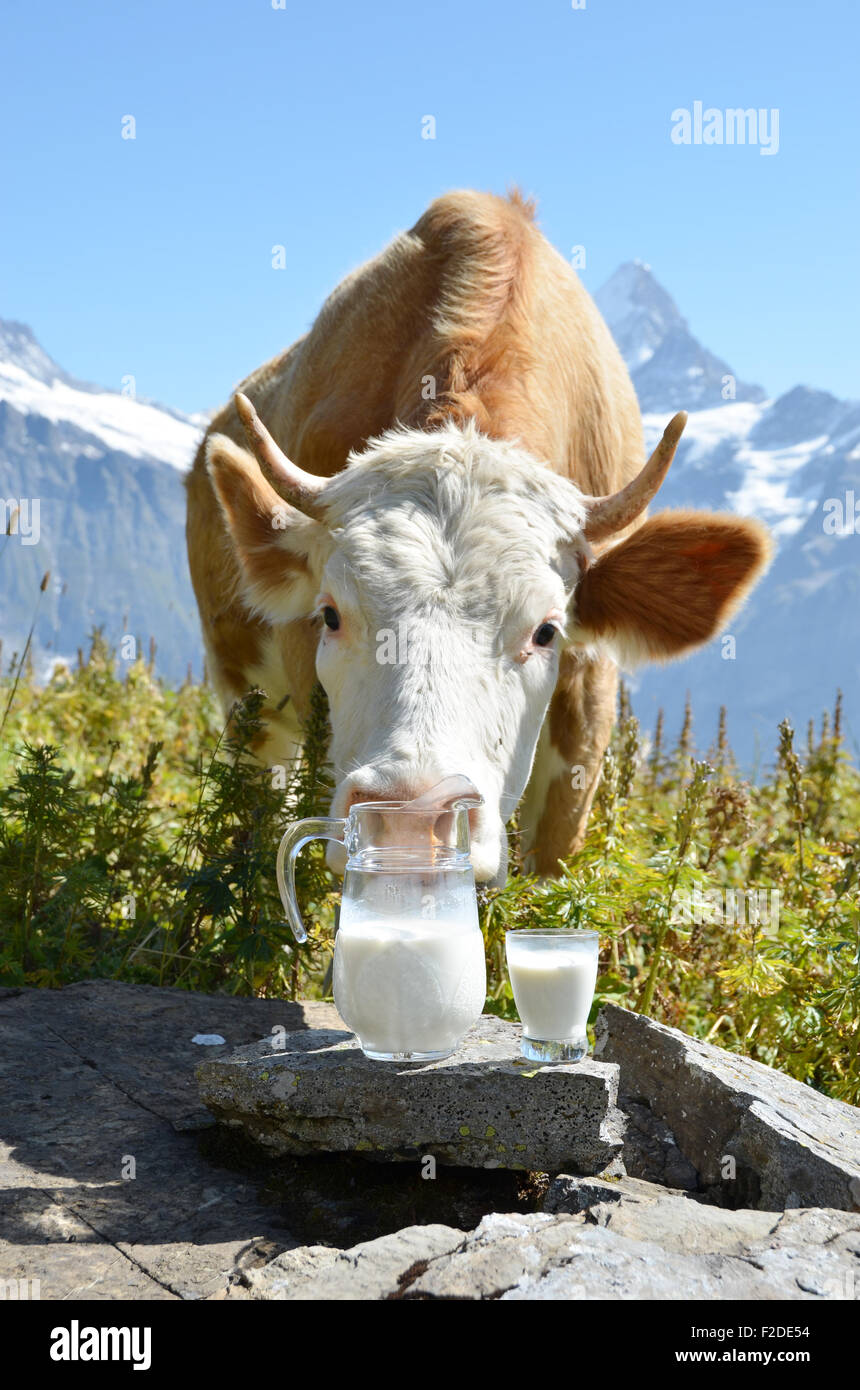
791, 1145
630, 1240
485, 1107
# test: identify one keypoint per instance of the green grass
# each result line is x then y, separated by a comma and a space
138, 837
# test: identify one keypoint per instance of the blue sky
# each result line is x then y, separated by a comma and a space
301, 127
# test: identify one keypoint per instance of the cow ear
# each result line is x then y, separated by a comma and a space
670, 586
279, 548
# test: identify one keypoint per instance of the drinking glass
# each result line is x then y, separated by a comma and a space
553, 974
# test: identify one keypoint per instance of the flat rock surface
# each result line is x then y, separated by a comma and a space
484, 1107
97, 1084
622, 1239
756, 1137
116, 1182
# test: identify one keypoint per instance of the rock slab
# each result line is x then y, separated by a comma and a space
314, 1091
374, 1270
755, 1137
622, 1239
105, 1190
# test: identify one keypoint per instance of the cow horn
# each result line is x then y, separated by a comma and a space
607, 515
292, 483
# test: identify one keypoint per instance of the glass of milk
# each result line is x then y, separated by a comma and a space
409, 966
553, 974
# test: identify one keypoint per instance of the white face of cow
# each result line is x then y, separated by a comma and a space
447, 571
439, 565
442, 606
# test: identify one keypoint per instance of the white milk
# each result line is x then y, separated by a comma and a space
404, 985
553, 989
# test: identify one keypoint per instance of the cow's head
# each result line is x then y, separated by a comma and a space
447, 571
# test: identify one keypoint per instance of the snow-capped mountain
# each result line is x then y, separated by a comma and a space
34, 384
96, 477
794, 463
107, 471
670, 369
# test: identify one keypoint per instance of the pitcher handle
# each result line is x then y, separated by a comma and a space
295, 837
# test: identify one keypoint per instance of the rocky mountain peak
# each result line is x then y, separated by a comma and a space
670, 368
19, 347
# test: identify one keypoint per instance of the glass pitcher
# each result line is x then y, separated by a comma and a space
409, 968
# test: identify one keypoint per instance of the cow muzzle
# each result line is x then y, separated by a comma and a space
488, 839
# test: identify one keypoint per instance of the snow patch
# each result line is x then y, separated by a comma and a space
121, 423
706, 429
765, 490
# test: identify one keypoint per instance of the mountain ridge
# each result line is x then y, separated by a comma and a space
108, 468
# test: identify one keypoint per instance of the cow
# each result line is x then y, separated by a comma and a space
435, 501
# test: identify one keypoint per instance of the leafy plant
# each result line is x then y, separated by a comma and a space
138, 837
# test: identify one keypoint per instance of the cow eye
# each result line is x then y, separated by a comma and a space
331, 618
545, 634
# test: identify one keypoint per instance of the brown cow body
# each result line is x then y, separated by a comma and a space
471, 314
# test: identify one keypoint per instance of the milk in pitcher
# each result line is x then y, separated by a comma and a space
409, 987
